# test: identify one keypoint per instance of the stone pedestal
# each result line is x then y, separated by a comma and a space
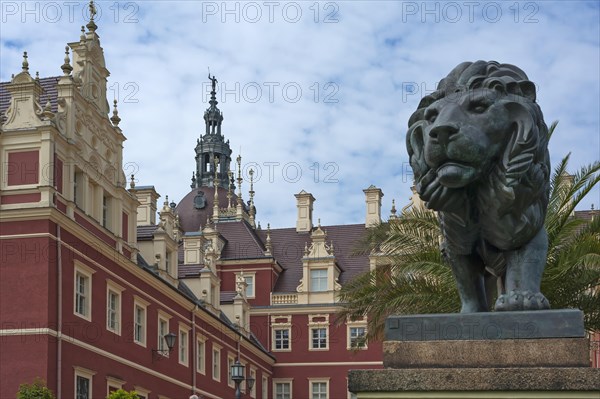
541, 354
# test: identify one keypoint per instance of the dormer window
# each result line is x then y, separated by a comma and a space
318, 280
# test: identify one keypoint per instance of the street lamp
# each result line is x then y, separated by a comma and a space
170, 341
237, 375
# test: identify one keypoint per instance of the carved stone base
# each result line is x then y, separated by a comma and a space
497, 383
532, 354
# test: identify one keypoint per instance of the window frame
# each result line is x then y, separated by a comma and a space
318, 322
163, 320
143, 305
86, 272
183, 345
349, 344
283, 381
113, 287
81, 372
201, 354
319, 279
230, 362
282, 340
311, 386
265, 387
216, 366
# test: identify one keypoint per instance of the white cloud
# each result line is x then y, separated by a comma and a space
364, 57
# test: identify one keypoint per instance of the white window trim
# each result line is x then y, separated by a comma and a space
283, 381
137, 301
117, 289
114, 383
230, 362
253, 374
87, 272
281, 325
142, 391
265, 387
318, 269
183, 328
161, 344
313, 324
201, 366
84, 373
349, 338
318, 380
244, 275
216, 348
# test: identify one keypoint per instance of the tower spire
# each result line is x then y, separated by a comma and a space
25, 64
212, 144
252, 210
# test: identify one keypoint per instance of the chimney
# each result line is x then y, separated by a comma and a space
304, 202
146, 212
373, 199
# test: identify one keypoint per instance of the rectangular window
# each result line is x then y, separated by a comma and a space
318, 390
183, 347
283, 390
82, 388
265, 388
163, 329
139, 324
230, 361
249, 280
82, 292
216, 364
282, 339
357, 337
319, 338
253, 376
200, 356
113, 311
318, 280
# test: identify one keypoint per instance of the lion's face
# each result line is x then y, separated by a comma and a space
463, 134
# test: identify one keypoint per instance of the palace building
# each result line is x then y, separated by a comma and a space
103, 286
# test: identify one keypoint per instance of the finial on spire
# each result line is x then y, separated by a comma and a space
115, 118
132, 182
239, 178
393, 210
92, 25
25, 64
66, 67
37, 76
268, 244
82, 36
229, 177
319, 222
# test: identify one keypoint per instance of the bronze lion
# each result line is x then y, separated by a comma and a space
478, 147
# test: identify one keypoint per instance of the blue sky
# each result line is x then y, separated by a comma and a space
316, 95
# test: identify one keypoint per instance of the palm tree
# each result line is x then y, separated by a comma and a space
412, 277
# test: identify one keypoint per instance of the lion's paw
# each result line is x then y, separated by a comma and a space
521, 300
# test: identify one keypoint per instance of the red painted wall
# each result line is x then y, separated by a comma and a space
23, 168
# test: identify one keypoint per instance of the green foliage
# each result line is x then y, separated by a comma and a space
35, 390
412, 277
122, 394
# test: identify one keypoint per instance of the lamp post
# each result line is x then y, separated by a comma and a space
170, 341
237, 375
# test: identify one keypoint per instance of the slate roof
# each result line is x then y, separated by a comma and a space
288, 250
242, 241
50, 93
145, 233
193, 219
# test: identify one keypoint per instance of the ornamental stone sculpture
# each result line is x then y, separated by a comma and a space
478, 150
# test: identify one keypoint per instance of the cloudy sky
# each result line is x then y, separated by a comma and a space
316, 95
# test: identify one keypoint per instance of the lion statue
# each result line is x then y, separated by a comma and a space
478, 147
